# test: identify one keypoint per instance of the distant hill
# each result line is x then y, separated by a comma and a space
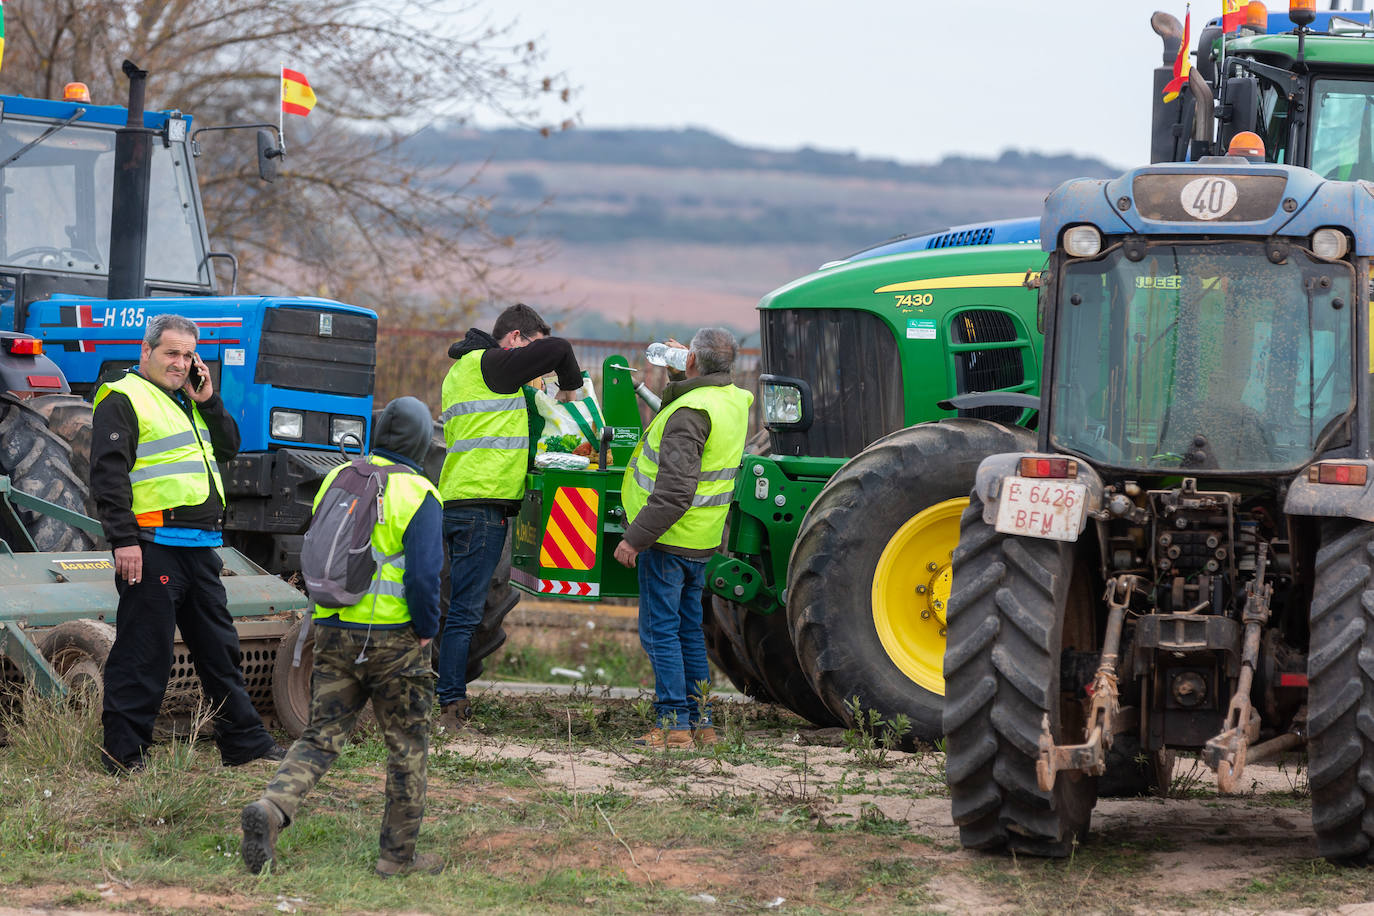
694, 148
652, 226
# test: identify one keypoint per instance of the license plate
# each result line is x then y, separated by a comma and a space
1035, 508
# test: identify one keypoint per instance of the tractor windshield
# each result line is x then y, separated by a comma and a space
1204, 356
55, 204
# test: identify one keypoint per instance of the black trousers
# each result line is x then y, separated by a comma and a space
180, 588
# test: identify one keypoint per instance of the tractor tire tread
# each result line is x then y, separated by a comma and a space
1006, 633
1341, 693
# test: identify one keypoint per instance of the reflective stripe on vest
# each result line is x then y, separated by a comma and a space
487, 435
174, 463
385, 604
702, 525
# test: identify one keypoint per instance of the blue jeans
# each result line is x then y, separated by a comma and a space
476, 537
670, 589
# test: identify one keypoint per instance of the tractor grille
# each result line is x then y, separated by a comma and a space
984, 326
850, 360
294, 353
988, 369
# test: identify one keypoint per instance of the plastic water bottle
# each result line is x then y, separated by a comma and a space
660, 354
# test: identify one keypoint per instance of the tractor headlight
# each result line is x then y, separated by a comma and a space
347, 426
1082, 241
786, 402
1331, 244
287, 424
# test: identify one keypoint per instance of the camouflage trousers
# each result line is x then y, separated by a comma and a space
396, 675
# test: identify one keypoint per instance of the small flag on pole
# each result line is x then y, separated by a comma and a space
1181, 63
1232, 15
2, 31
297, 97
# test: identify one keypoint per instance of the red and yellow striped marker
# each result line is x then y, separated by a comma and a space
570, 533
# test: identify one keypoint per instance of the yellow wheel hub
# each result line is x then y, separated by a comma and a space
911, 592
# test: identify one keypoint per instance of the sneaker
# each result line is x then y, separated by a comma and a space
427, 864
705, 736
662, 738
455, 717
261, 822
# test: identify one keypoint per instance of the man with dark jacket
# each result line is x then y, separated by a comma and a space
676, 492
378, 650
486, 427
157, 435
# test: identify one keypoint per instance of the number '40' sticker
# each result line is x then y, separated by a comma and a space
1209, 198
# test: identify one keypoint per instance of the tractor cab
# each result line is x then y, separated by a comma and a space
1204, 356
1303, 81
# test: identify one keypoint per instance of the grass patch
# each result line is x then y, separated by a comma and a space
602, 660
521, 836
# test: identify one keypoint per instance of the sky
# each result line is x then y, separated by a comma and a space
912, 81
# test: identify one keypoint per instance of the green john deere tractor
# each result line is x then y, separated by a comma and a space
836, 571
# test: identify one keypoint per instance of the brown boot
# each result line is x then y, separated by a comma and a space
427, 864
705, 736
662, 738
261, 821
455, 717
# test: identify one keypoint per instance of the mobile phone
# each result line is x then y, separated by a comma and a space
196, 376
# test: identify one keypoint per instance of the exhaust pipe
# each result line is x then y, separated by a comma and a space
129, 209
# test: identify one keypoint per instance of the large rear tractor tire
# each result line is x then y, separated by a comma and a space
490, 634
869, 577
70, 417
1340, 697
767, 639
720, 621
1007, 610
38, 462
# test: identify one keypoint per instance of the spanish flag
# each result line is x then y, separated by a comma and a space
1181, 63
297, 97
1232, 15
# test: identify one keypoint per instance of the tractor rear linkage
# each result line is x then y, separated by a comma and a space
1226, 754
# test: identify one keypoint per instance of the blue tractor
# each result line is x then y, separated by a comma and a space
102, 227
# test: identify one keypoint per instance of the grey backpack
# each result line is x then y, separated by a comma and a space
337, 558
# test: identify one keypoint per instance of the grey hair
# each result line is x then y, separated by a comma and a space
715, 349
160, 324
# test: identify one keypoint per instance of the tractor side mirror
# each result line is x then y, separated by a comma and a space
1241, 109
268, 155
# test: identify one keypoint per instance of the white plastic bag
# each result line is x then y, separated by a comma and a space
562, 461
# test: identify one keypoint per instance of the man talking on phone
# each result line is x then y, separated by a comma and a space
158, 434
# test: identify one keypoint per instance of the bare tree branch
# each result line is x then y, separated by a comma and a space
350, 214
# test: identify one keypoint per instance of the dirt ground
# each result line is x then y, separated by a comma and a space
1193, 845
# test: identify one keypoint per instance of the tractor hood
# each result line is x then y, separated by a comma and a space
1225, 195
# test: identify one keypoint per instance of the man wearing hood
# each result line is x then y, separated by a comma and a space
486, 428
377, 649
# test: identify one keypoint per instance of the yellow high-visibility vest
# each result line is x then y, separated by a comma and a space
175, 461
702, 525
385, 603
487, 435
